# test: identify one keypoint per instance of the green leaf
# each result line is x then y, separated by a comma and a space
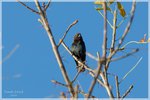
99, 2
103, 9
121, 9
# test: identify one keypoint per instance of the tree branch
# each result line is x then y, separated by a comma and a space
91, 56
63, 96
85, 94
114, 31
76, 92
128, 25
55, 49
128, 91
124, 56
131, 70
49, 2
117, 87
105, 32
111, 54
114, 59
106, 19
28, 7
96, 76
107, 86
10, 53
98, 80
58, 83
61, 40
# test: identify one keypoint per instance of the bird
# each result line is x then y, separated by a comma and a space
78, 49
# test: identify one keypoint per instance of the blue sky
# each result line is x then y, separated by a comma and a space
29, 70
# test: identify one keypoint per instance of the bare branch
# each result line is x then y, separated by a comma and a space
49, 2
114, 31
76, 75
91, 56
96, 77
55, 49
131, 42
121, 22
85, 94
128, 25
117, 87
106, 19
76, 91
75, 22
58, 83
123, 36
131, 70
28, 7
114, 59
63, 96
10, 54
124, 56
98, 80
105, 32
128, 91
107, 86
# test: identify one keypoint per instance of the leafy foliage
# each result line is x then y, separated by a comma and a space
110, 2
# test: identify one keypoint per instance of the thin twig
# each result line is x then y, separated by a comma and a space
80, 85
136, 42
91, 56
76, 75
28, 7
98, 80
63, 96
105, 33
95, 78
131, 69
85, 94
55, 49
106, 19
121, 22
10, 54
125, 56
104, 50
76, 92
75, 22
114, 59
128, 91
117, 87
114, 31
49, 2
128, 25
58, 83
107, 86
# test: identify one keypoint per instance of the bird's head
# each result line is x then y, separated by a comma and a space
78, 37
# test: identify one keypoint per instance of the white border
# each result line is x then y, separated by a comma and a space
148, 49
69, 1
0, 49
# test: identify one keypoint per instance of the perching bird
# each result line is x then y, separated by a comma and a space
79, 50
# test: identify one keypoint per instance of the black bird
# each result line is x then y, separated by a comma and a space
79, 50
